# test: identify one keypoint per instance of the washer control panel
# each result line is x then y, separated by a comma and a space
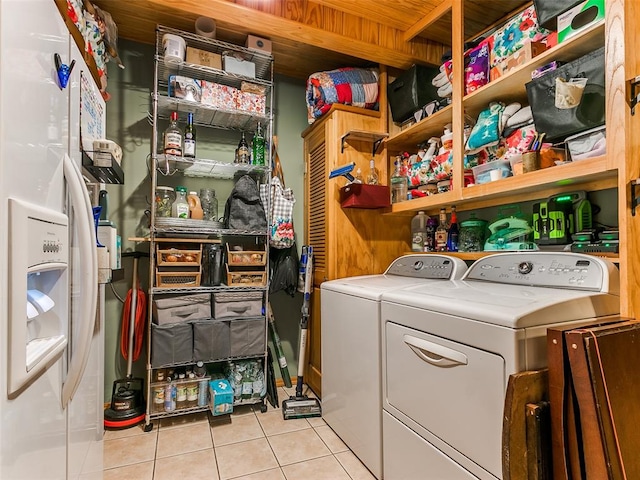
429, 266
545, 269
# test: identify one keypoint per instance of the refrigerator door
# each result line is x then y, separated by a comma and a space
33, 116
86, 409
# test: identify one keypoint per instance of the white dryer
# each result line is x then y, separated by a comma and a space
351, 348
449, 348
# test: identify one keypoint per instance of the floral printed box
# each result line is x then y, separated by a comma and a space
514, 34
251, 103
222, 97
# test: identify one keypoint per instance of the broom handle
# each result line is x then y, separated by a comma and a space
132, 316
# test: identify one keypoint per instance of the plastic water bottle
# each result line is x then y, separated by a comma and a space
169, 396
203, 384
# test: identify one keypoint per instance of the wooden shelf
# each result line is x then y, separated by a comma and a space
363, 136
591, 174
473, 256
509, 88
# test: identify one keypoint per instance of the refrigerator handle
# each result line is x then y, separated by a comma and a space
88, 276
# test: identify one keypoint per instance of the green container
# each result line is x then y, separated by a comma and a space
472, 235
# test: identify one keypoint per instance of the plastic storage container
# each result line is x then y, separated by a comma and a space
482, 173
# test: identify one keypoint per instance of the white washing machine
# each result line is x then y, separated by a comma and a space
351, 348
449, 348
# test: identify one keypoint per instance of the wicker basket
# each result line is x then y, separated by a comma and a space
176, 257
246, 258
246, 278
177, 279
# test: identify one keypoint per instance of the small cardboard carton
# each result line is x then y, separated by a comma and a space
204, 58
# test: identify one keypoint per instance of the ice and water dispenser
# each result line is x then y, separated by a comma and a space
38, 284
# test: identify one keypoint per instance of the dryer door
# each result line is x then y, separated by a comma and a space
454, 391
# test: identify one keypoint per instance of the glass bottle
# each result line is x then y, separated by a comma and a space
181, 392
418, 232
372, 176
243, 150
209, 204
173, 137
453, 232
257, 145
398, 185
441, 232
359, 176
430, 239
192, 391
189, 138
180, 207
247, 382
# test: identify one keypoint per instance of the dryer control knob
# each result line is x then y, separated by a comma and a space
525, 267
418, 265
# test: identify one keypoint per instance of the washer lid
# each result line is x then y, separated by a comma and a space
403, 272
512, 306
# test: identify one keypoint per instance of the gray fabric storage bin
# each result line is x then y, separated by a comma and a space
171, 344
181, 308
248, 336
211, 340
237, 304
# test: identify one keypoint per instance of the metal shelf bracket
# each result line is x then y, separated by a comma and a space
635, 196
634, 95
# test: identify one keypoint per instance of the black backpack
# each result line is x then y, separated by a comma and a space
244, 209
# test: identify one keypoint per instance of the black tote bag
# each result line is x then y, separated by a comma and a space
547, 11
556, 123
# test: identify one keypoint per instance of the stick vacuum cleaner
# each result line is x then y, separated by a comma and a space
301, 406
127, 399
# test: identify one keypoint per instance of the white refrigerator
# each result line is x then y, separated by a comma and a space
51, 346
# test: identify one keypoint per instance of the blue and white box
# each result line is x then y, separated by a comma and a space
220, 396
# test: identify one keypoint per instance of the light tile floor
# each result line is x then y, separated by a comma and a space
247, 445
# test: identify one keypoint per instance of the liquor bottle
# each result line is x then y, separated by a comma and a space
173, 137
359, 176
189, 138
430, 238
243, 150
372, 176
441, 232
398, 185
452, 233
257, 144
418, 232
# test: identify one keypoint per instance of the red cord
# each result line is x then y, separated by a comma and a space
139, 324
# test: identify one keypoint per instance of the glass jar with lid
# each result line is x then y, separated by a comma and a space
209, 204
165, 197
472, 235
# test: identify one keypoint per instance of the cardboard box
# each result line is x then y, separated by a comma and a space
219, 96
579, 18
204, 58
257, 43
251, 103
220, 397
520, 57
239, 66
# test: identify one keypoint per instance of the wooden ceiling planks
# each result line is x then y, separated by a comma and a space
313, 35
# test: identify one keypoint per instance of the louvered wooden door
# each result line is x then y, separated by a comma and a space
346, 242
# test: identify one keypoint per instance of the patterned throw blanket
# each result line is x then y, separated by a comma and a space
349, 86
